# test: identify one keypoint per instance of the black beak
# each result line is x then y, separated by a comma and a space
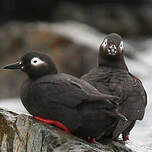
13, 66
112, 50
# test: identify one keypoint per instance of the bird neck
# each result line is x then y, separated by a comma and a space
43, 72
113, 63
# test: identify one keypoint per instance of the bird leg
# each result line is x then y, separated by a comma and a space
126, 138
53, 122
90, 140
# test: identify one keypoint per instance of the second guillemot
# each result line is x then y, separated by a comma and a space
112, 76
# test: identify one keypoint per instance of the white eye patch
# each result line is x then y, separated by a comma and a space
104, 43
121, 45
36, 61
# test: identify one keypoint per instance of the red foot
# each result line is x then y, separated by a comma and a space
126, 138
53, 122
90, 140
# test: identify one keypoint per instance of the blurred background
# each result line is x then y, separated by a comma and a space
71, 31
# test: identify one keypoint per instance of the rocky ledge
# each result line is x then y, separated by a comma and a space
21, 133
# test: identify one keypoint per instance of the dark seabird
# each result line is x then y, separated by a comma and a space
63, 100
112, 76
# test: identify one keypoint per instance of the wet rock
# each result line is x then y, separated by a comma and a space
21, 133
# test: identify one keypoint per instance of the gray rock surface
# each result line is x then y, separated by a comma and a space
20, 133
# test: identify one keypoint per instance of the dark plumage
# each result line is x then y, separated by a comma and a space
62, 97
111, 76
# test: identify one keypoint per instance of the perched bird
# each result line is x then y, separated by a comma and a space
112, 76
64, 100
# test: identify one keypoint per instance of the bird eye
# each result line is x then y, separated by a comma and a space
121, 45
104, 43
36, 61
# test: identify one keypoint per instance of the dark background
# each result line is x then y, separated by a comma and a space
27, 25
128, 17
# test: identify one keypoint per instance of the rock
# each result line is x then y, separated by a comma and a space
21, 133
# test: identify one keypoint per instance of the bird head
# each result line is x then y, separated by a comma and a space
112, 46
35, 64
111, 52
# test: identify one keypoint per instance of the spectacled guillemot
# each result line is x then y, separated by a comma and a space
113, 77
64, 100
